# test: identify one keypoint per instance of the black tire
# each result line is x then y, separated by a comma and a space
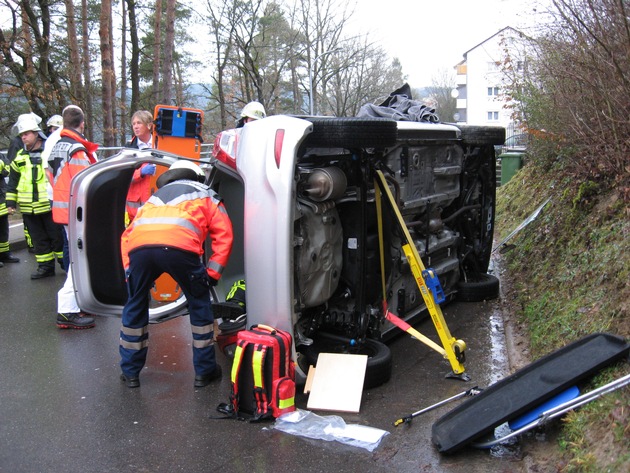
485, 288
482, 135
379, 365
351, 132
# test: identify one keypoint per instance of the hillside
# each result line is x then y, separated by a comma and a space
567, 276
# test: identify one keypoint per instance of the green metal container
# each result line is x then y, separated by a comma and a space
510, 163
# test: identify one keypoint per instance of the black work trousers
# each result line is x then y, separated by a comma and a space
46, 236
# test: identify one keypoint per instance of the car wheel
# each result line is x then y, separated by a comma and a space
485, 288
482, 135
351, 132
379, 365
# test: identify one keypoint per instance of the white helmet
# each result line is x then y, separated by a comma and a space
26, 117
55, 120
27, 123
183, 164
181, 169
253, 110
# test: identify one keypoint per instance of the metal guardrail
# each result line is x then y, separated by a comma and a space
206, 149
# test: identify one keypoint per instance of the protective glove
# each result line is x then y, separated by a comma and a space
147, 170
212, 281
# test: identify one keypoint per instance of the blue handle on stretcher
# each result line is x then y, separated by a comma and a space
433, 283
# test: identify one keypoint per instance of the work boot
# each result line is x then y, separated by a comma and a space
43, 272
203, 380
8, 258
74, 320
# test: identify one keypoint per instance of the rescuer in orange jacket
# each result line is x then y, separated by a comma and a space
167, 236
140, 187
71, 154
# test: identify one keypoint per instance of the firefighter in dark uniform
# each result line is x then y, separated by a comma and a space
28, 189
167, 236
5, 254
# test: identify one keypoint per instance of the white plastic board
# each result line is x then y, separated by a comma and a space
338, 382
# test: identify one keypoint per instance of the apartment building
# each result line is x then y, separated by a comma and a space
482, 77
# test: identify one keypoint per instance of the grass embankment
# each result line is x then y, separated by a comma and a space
569, 272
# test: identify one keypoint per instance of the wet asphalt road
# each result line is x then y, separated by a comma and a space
63, 407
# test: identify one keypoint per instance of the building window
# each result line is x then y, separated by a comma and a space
493, 91
493, 116
493, 66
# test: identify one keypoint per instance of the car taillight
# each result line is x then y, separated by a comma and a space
225, 146
277, 149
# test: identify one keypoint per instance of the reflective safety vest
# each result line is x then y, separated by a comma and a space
182, 214
27, 183
71, 154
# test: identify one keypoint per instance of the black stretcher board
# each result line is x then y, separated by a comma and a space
526, 389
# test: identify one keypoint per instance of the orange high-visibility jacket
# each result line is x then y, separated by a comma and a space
139, 192
139, 188
71, 154
182, 214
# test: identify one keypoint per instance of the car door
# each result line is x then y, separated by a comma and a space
97, 220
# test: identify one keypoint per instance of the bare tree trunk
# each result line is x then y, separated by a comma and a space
135, 56
169, 44
76, 85
87, 106
107, 72
50, 80
113, 85
222, 31
157, 53
123, 78
179, 84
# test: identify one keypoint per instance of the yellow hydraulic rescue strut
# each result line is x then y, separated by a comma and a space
451, 349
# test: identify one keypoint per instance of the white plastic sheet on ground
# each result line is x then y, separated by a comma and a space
330, 428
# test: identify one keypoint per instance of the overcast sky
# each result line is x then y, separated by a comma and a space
429, 35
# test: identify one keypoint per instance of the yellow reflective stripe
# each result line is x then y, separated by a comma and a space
45, 258
135, 332
202, 329
238, 354
257, 359
134, 345
284, 403
240, 284
203, 343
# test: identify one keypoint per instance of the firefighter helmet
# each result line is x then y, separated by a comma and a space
25, 118
55, 120
254, 110
27, 123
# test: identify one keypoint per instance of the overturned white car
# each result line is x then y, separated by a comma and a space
301, 195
